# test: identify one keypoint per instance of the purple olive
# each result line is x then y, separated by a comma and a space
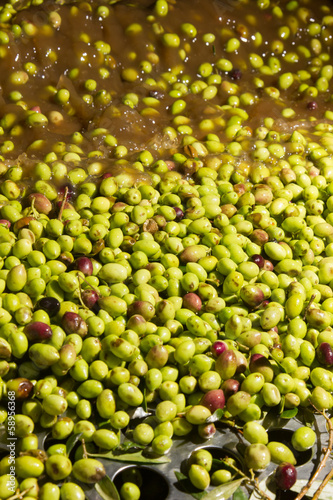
258, 259
285, 476
71, 191
192, 302
49, 304
325, 354
84, 265
236, 74
89, 298
230, 387
312, 105
179, 213
213, 399
73, 323
218, 347
38, 331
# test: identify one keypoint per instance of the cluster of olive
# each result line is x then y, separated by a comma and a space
199, 292
174, 311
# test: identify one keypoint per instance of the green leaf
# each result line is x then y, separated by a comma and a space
281, 405
240, 495
136, 457
186, 485
106, 489
128, 445
306, 416
223, 464
71, 442
289, 413
217, 415
224, 491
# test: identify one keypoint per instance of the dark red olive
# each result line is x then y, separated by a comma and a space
89, 298
325, 354
285, 476
312, 105
236, 74
73, 323
259, 260
38, 331
230, 387
84, 265
213, 400
218, 347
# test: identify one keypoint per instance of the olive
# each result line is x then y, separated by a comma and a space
49, 304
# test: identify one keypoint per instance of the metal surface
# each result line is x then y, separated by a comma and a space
160, 482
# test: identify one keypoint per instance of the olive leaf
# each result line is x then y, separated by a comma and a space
186, 485
281, 404
224, 491
107, 489
71, 442
215, 417
289, 413
240, 495
136, 457
222, 462
128, 445
306, 417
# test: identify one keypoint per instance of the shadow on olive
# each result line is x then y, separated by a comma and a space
284, 436
152, 484
218, 453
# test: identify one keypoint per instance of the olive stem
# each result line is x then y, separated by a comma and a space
242, 346
84, 448
327, 453
322, 464
32, 210
91, 286
80, 295
308, 306
20, 494
252, 480
63, 203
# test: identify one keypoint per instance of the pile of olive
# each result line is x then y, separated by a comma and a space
152, 295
